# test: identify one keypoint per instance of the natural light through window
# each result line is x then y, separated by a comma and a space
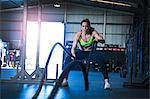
51, 32
31, 46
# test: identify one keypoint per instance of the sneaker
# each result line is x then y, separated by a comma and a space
107, 86
65, 83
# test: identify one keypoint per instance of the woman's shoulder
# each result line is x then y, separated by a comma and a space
78, 34
94, 32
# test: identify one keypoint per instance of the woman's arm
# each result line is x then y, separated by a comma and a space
97, 36
75, 42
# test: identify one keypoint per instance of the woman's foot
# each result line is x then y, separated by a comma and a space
65, 83
106, 85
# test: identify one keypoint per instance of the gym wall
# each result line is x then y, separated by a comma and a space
113, 25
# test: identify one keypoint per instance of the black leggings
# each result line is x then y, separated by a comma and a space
84, 55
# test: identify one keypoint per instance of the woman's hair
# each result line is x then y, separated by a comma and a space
86, 20
91, 29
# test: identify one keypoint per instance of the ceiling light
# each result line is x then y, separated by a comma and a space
56, 5
21, 6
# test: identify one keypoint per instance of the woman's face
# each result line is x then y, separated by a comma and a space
84, 26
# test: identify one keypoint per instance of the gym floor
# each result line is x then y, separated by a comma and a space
75, 89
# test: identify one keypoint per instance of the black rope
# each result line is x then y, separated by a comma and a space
47, 62
67, 69
81, 65
84, 70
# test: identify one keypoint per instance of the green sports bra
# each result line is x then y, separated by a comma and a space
86, 43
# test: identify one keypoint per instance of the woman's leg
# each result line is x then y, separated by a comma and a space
100, 59
104, 71
67, 61
106, 78
80, 55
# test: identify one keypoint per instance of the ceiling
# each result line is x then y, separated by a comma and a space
10, 4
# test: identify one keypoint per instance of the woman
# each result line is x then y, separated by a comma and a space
85, 38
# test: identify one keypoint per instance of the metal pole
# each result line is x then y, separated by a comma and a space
104, 28
38, 71
38, 39
23, 51
23, 40
65, 13
56, 71
65, 21
141, 30
23, 74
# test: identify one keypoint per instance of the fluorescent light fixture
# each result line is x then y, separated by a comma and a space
21, 6
56, 5
112, 2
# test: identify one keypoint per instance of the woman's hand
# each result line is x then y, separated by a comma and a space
99, 38
74, 56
